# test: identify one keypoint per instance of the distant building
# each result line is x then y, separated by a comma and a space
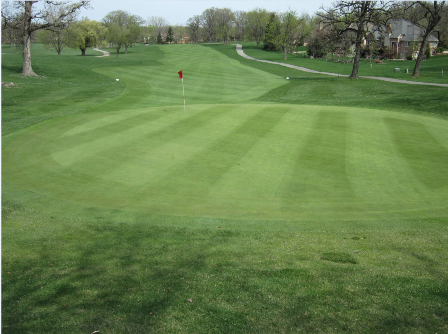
401, 38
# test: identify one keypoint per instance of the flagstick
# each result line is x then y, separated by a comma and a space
183, 90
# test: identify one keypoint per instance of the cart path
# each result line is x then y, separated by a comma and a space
105, 53
239, 49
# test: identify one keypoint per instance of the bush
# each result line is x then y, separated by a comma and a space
316, 48
428, 52
409, 57
440, 49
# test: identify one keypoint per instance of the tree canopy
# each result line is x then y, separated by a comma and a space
86, 34
122, 28
256, 22
282, 31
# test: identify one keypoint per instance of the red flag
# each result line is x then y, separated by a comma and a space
180, 75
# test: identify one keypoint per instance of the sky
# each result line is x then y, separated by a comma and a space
177, 12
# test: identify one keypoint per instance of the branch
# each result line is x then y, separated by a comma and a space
63, 18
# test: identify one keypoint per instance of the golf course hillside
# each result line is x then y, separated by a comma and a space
230, 157
273, 200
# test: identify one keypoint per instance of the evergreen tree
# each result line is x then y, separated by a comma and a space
169, 36
272, 30
159, 38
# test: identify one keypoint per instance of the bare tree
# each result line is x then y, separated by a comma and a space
240, 25
354, 19
24, 18
194, 27
178, 32
160, 23
12, 30
208, 23
55, 37
427, 16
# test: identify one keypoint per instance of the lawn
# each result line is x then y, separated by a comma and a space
316, 204
431, 70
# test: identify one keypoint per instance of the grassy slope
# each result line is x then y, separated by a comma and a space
85, 268
306, 88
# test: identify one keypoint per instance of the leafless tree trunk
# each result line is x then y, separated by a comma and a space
352, 20
431, 15
27, 70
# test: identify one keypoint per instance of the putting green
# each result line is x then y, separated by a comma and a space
256, 161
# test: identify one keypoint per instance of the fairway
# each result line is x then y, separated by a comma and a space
255, 161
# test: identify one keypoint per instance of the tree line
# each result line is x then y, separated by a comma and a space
349, 22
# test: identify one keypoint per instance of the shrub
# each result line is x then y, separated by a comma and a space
316, 48
409, 57
428, 52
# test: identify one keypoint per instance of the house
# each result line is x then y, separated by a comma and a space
401, 38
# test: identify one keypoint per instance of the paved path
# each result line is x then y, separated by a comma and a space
240, 51
105, 53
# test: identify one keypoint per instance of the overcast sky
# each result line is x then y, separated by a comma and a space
177, 12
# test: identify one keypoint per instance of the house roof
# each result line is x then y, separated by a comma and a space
409, 32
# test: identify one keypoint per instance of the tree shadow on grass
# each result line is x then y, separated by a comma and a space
113, 276
136, 278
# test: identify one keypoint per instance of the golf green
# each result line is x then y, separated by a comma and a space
254, 161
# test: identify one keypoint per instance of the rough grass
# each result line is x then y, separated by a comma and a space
80, 267
431, 70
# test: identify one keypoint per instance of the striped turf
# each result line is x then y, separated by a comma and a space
257, 161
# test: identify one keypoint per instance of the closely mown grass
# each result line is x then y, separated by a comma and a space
77, 267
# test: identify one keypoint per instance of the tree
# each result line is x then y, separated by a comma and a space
427, 16
86, 34
317, 46
256, 22
159, 22
135, 29
322, 41
372, 50
28, 21
306, 26
12, 30
208, 23
282, 32
272, 30
240, 25
53, 39
119, 29
178, 33
444, 38
159, 38
353, 19
194, 28
224, 19
170, 35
